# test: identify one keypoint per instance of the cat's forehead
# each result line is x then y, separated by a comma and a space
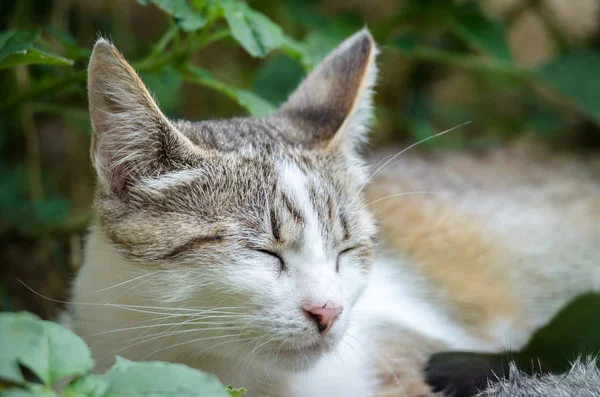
238, 134
275, 133
243, 182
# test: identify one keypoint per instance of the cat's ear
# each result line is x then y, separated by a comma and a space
131, 137
332, 107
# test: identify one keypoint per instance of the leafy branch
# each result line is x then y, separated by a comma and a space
37, 357
197, 28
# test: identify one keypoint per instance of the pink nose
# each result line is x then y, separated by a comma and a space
323, 317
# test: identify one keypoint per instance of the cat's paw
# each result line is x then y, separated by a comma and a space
462, 374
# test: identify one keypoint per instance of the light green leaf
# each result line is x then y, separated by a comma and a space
17, 48
254, 31
255, 105
236, 392
150, 379
186, 17
35, 391
575, 76
88, 386
42, 347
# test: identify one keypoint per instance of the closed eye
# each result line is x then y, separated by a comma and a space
345, 251
282, 266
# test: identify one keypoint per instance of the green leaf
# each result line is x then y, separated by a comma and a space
51, 352
320, 41
254, 31
186, 17
67, 40
255, 105
298, 51
17, 42
17, 48
35, 56
236, 392
480, 33
574, 75
410, 45
277, 78
129, 378
575, 330
88, 386
32, 392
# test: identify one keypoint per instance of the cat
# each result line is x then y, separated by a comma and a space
271, 252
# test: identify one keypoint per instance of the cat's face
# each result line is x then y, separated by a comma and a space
260, 222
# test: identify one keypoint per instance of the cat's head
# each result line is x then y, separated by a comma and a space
260, 220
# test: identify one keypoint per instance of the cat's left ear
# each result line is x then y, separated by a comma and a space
332, 107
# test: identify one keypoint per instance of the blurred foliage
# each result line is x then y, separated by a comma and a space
512, 67
43, 359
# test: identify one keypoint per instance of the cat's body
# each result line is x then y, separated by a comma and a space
221, 244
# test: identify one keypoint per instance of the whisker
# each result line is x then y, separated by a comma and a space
191, 311
219, 344
255, 352
123, 283
396, 195
157, 325
185, 331
382, 167
187, 342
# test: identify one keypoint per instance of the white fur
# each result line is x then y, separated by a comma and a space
175, 178
397, 296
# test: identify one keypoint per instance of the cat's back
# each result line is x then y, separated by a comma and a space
490, 230
525, 172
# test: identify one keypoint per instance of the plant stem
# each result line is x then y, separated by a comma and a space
204, 41
34, 168
476, 65
44, 88
148, 64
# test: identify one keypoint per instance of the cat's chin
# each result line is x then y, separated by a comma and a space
299, 359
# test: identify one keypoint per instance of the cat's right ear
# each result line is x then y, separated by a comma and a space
131, 137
